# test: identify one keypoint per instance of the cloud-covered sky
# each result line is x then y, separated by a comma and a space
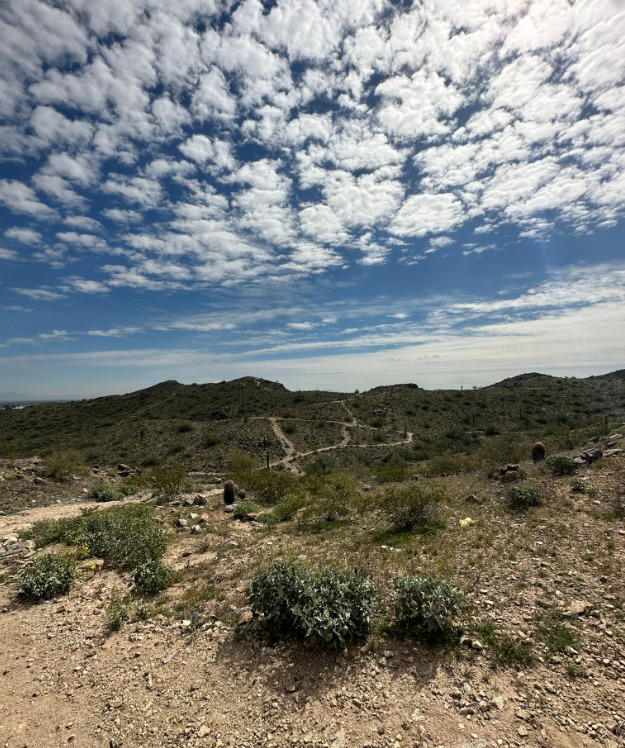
329, 194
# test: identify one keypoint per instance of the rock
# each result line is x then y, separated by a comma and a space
523, 731
228, 508
245, 617
579, 607
471, 499
216, 481
121, 466
612, 452
204, 519
366, 487
203, 731
242, 494
180, 522
199, 500
475, 644
340, 740
498, 702
39, 481
196, 529
187, 502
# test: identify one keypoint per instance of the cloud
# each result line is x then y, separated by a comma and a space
8, 254
22, 199
425, 214
39, 294
25, 236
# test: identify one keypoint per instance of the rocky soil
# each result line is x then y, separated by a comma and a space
197, 672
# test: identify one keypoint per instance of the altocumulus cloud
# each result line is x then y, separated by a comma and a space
157, 147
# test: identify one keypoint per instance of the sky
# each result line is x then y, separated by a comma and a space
330, 194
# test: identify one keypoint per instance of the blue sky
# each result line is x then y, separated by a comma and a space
329, 194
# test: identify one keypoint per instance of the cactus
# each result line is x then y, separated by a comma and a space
230, 491
538, 452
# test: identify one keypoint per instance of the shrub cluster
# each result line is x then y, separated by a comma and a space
62, 465
48, 576
151, 577
414, 505
326, 608
329, 608
166, 479
560, 465
103, 491
523, 497
425, 605
126, 536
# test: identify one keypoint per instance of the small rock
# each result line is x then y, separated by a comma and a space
579, 607
523, 731
180, 522
199, 500
203, 731
228, 508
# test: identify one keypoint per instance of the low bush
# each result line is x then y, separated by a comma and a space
560, 465
578, 485
62, 465
151, 577
126, 536
414, 505
426, 606
523, 497
286, 509
270, 486
243, 509
117, 613
503, 649
103, 491
326, 608
48, 576
166, 479
331, 497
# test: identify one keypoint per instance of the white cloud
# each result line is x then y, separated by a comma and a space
25, 236
39, 294
8, 254
425, 214
22, 199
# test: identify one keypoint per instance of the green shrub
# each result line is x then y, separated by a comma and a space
166, 480
118, 613
48, 576
151, 577
125, 535
184, 428
560, 465
392, 473
242, 509
326, 608
503, 649
523, 497
286, 509
426, 606
62, 465
414, 505
578, 485
270, 486
331, 497
103, 491
268, 518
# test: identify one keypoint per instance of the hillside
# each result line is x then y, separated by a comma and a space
200, 424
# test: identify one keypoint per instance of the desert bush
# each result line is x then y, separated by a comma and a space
48, 576
451, 464
103, 491
578, 485
268, 518
392, 473
151, 577
117, 613
426, 606
560, 465
270, 486
289, 506
126, 536
415, 505
523, 497
242, 509
166, 479
326, 608
62, 465
331, 497
185, 428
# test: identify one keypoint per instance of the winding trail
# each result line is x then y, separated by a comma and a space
292, 455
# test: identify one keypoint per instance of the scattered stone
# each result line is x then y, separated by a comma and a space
199, 500
471, 499
180, 522
203, 731
579, 607
366, 487
228, 508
